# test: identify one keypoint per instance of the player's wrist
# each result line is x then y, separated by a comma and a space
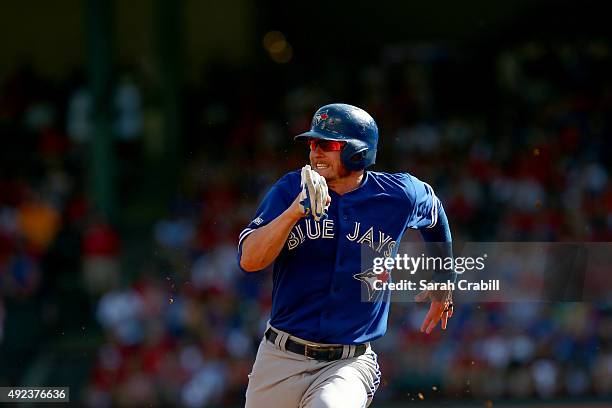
295, 211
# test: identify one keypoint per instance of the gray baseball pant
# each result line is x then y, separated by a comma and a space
283, 379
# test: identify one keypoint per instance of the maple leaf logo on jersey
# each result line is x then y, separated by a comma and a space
323, 116
369, 277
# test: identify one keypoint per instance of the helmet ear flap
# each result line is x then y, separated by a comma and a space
359, 156
354, 155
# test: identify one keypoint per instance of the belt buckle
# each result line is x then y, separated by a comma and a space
312, 347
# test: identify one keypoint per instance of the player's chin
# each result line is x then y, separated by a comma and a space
324, 172
328, 174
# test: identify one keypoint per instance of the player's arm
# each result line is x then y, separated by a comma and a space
258, 244
263, 245
441, 308
438, 237
430, 219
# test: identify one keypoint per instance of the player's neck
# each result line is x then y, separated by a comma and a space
346, 184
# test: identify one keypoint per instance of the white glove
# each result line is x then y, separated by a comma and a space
314, 195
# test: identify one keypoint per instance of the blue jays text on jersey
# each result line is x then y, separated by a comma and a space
315, 294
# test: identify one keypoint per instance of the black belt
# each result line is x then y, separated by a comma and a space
325, 353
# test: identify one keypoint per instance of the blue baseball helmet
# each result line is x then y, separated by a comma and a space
350, 124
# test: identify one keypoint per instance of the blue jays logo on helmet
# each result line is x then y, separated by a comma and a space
350, 124
318, 117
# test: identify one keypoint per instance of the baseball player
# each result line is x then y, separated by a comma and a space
312, 223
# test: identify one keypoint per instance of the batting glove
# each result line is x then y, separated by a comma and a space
313, 198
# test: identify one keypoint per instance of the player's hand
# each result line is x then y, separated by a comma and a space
441, 308
314, 198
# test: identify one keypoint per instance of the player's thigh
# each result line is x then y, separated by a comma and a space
345, 384
338, 392
276, 380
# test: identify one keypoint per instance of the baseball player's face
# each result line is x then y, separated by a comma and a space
327, 163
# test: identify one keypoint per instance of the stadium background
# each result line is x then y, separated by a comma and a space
137, 138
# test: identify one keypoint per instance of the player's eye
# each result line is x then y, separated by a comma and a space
326, 145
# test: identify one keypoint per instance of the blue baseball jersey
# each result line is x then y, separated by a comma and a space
315, 293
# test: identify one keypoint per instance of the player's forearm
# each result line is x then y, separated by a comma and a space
264, 244
439, 241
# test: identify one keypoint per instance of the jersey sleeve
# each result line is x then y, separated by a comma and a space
426, 206
276, 200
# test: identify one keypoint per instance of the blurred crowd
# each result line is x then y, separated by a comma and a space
517, 149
